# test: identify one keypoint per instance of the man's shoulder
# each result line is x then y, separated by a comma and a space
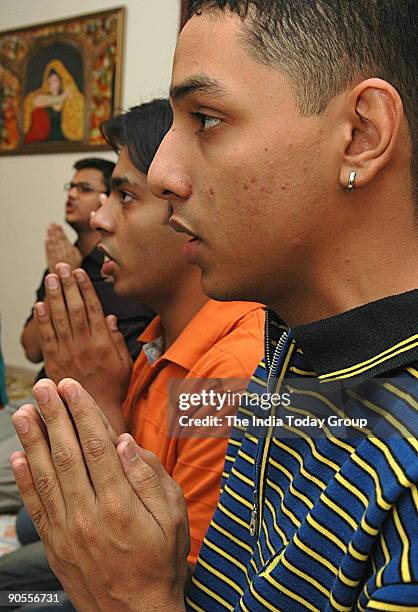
239, 345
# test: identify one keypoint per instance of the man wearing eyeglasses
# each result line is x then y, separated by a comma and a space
91, 178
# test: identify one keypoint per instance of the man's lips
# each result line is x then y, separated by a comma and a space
192, 248
109, 262
179, 226
106, 253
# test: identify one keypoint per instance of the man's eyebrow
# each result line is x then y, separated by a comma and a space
121, 181
197, 84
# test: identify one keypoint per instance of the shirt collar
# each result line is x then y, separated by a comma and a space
367, 341
153, 349
212, 321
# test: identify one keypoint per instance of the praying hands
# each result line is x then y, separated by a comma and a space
59, 249
78, 341
113, 523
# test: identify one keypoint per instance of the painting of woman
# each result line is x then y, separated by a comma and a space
55, 111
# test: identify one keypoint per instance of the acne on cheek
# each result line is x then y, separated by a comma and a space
252, 182
246, 186
211, 191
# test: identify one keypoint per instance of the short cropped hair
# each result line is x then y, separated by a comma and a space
325, 46
140, 130
97, 163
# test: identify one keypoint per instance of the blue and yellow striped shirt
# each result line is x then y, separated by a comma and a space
323, 518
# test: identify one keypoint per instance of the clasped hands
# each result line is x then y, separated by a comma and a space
77, 341
59, 249
113, 523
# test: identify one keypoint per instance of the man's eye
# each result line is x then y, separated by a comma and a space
85, 188
125, 197
206, 121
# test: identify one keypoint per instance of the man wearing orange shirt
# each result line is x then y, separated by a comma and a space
207, 348
192, 337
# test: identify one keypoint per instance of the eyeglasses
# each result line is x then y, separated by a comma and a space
83, 188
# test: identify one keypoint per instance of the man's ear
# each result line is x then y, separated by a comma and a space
374, 119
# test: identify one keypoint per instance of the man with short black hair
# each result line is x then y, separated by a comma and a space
289, 165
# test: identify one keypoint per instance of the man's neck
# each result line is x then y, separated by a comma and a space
179, 310
369, 264
86, 241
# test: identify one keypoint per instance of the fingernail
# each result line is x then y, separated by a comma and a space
79, 275
19, 468
52, 281
21, 425
40, 309
41, 394
64, 271
113, 324
71, 392
130, 452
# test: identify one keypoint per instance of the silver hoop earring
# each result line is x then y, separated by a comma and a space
351, 180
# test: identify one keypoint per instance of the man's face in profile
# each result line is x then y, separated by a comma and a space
244, 167
83, 197
143, 254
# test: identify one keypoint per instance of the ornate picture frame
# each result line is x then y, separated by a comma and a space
59, 81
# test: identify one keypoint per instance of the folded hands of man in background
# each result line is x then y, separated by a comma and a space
59, 249
78, 341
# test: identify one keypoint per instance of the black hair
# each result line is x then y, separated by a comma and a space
324, 46
97, 163
53, 71
140, 130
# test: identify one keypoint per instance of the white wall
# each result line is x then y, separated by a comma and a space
31, 193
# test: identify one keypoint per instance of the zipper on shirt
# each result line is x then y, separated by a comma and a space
277, 358
253, 520
274, 367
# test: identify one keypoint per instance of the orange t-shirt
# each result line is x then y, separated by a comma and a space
224, 340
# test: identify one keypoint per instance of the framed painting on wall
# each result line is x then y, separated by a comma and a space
58, 82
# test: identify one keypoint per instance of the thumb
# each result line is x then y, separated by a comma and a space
118, 340
129, 458
143, 477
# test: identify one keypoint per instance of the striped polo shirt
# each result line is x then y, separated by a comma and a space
322, 515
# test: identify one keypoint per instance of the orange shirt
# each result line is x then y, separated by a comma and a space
224, 340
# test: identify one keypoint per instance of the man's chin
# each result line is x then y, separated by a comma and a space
217, 288
72, 221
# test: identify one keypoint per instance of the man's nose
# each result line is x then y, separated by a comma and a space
100, 219
167, 177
